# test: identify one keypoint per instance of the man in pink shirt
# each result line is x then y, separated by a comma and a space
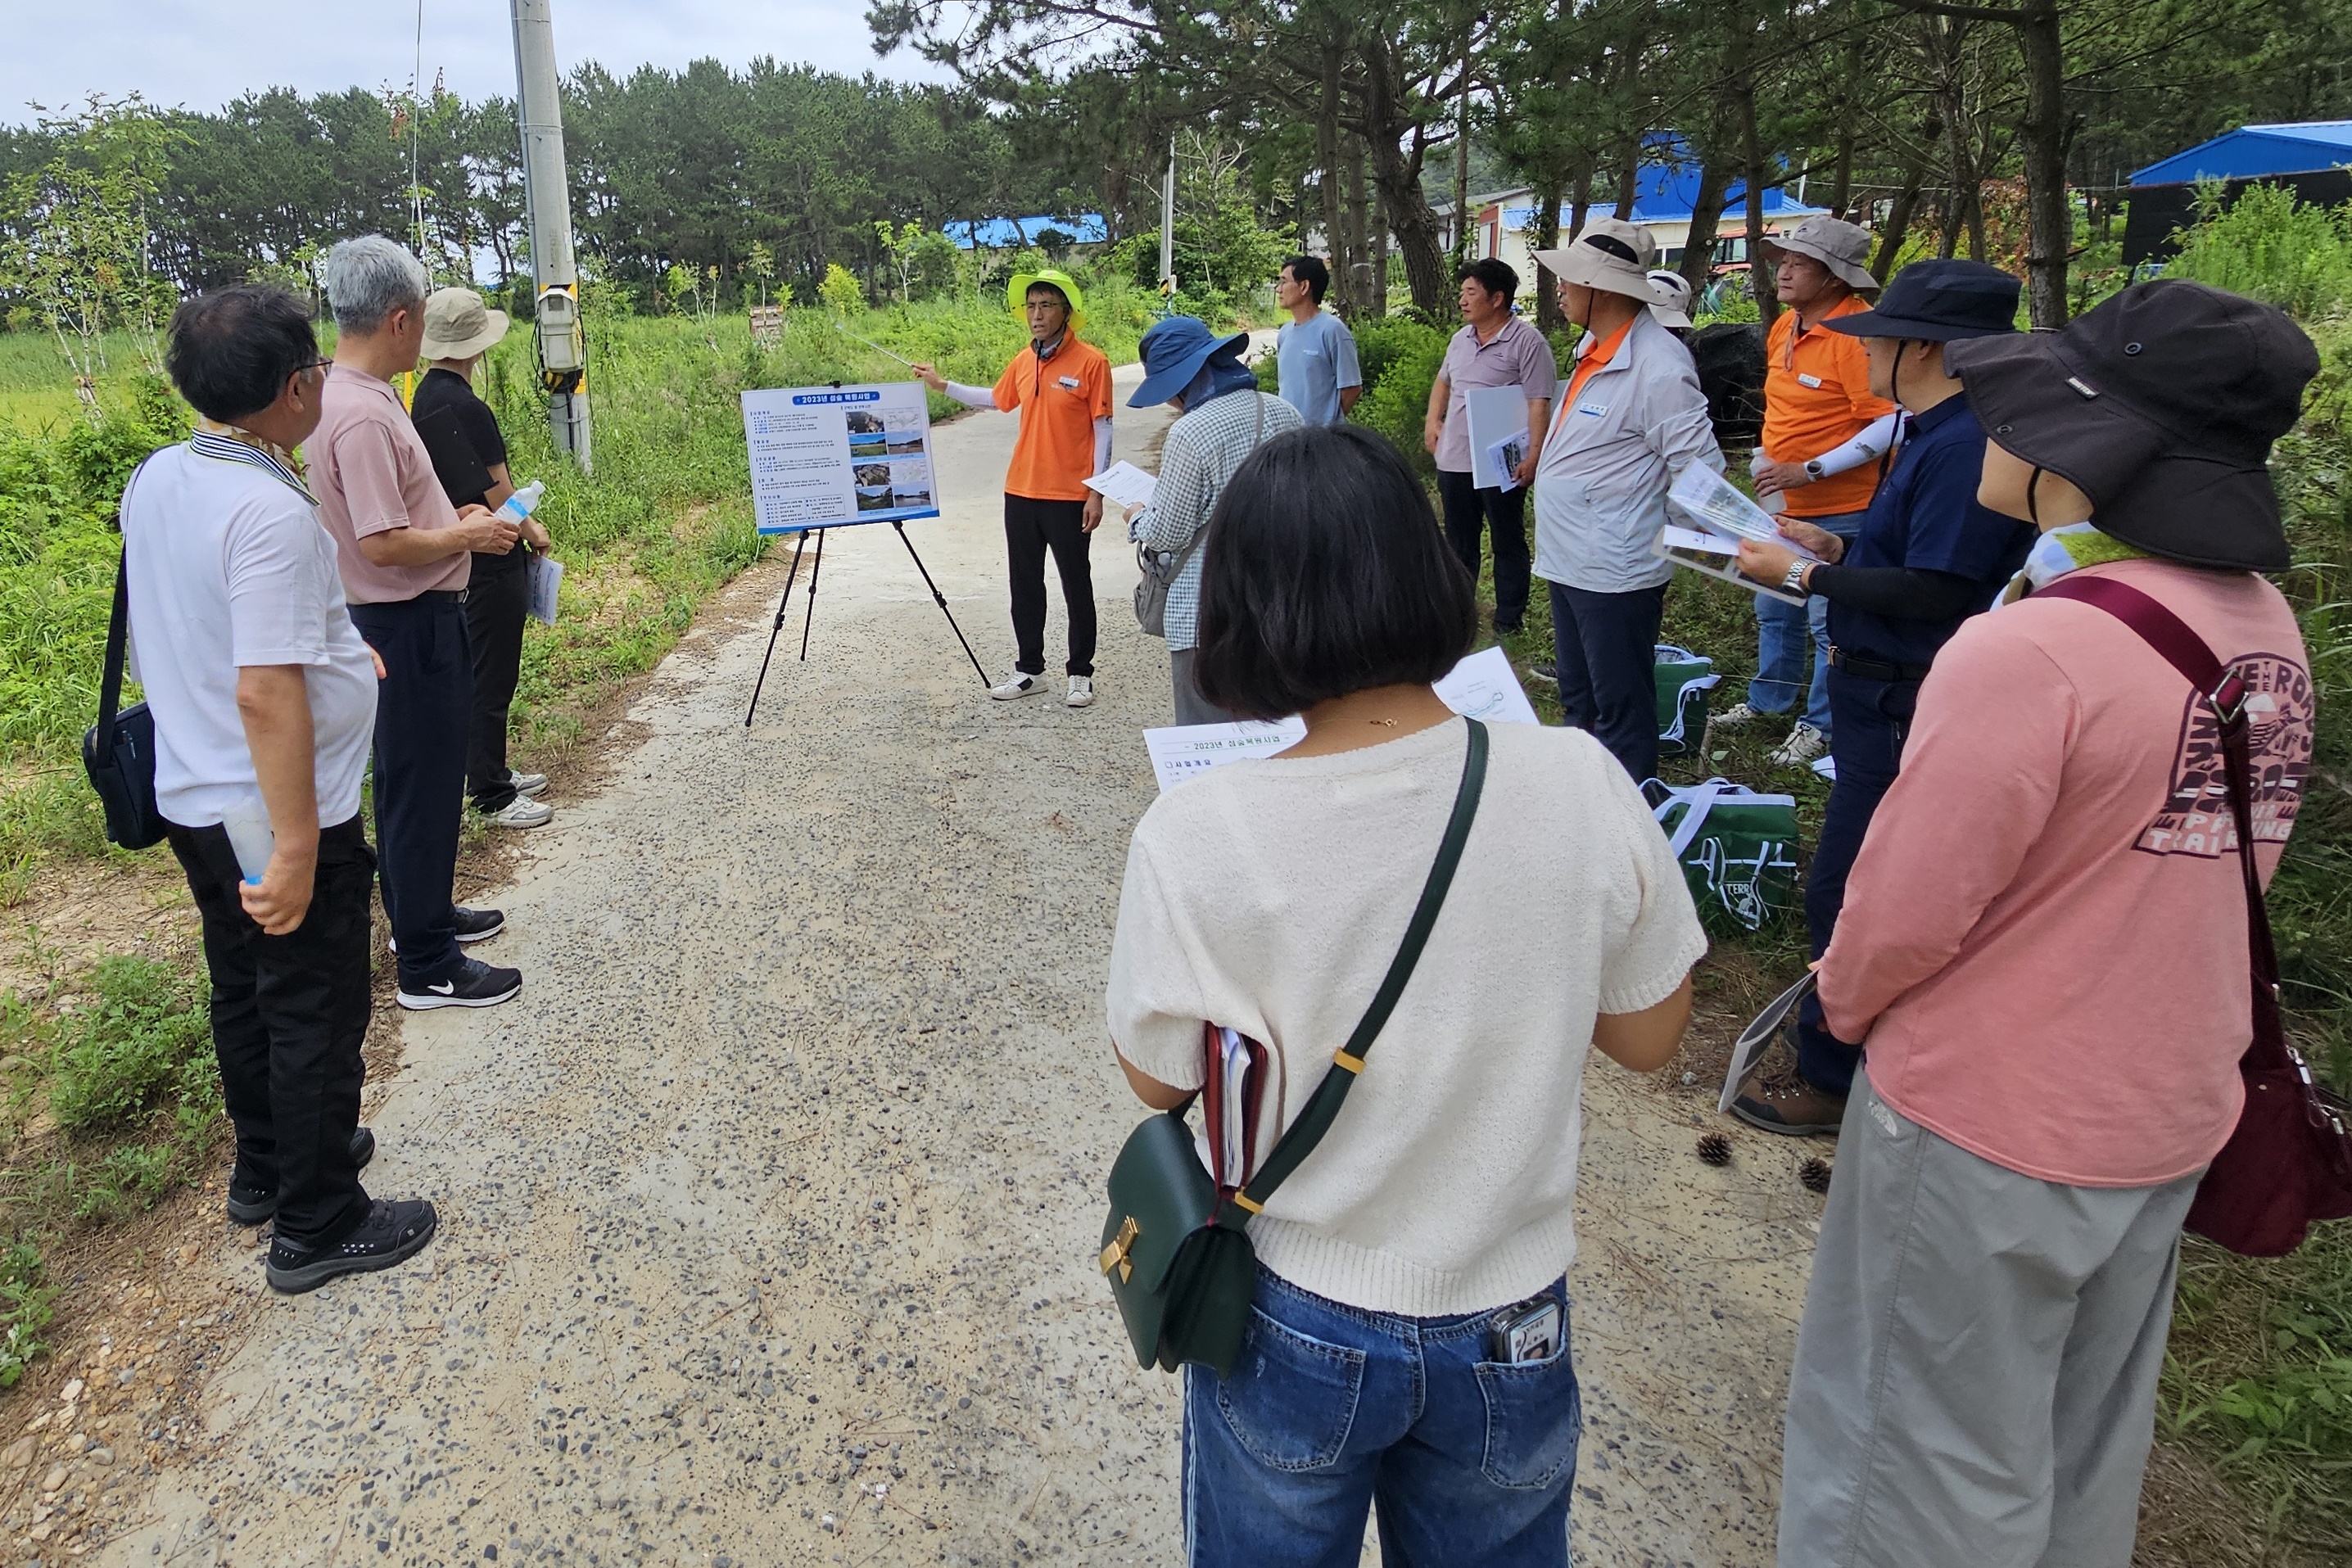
405, 555
2044, 945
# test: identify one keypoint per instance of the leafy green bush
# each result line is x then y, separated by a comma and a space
24, 1309
143, 1043
2269, 248
1398, 404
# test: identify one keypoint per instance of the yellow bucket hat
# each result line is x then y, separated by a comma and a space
1016, 295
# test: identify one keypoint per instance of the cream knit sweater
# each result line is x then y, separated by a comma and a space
1269, 896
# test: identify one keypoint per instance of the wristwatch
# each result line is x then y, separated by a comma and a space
1813, 469
1795, 581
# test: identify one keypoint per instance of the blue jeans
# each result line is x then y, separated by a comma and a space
1331, 1408
1780, 631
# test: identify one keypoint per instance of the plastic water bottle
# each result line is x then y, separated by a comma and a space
1778, 501
523, 502
250, 836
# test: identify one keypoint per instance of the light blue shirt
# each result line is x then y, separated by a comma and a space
1317, 359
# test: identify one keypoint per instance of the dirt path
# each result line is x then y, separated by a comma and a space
767, 1211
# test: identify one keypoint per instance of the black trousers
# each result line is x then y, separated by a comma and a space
1868, 721
423, 708
289, 1014
1032, 527
1470, 514
495, 602
1605, 645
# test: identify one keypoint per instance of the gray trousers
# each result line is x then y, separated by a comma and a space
1192, 708
1975, 1383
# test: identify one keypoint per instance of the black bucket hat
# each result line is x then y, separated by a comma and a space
1937, 302
2160, 405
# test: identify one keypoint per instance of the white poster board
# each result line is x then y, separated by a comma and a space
1483, 687
826, 457
1498, 427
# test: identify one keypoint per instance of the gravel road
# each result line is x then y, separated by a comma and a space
768, 1210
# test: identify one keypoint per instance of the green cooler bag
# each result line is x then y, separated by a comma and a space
1737, 850
1683, 680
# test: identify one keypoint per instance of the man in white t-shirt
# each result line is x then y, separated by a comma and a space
264, 698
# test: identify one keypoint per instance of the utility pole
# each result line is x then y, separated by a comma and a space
1168, 231
547, 203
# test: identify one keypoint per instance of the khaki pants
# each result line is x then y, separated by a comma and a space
1975, 1383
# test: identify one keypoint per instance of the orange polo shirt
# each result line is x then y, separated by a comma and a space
1816, 399
1059, 400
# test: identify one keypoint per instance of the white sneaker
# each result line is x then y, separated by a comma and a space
1733, 716
1804, 744
526, 783
522, 811
1081, 691
1019, 684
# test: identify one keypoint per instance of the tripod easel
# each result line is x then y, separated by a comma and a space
816, 569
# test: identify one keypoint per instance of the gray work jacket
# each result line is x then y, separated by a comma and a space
1613, 450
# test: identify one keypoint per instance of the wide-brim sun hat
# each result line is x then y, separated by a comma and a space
1670, 299
1172, 354
1611, 255
1016, 294
1939, 302
1840, 247
2160, 404
457, 325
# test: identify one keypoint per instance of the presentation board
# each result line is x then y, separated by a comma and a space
1498, 435
826, 457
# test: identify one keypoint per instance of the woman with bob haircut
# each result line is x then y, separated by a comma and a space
1268, 897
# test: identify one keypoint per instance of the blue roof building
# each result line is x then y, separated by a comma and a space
1012, 234
2252, 150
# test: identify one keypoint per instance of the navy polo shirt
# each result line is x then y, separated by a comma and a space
1926, 516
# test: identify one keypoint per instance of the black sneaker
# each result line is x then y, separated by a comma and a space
473, 926
1547, 670
390, 1234
252, 1204
472, 984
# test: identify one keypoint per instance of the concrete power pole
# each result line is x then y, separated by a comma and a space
1168, 230
547, 203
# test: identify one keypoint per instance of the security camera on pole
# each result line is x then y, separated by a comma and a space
547, 201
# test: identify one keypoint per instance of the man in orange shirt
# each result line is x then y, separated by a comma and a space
1060, 385
1818, 420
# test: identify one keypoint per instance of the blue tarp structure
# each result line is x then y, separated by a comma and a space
2252, 150
1011, 234
1665, 194
2308, 158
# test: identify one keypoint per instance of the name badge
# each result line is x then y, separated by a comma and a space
1595, 408
1806, 380
1072, 382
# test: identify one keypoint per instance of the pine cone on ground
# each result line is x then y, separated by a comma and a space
1715, 1149
1816, 1174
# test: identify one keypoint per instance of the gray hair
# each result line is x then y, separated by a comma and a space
370, 277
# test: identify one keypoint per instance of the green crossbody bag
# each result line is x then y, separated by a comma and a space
1178, 1257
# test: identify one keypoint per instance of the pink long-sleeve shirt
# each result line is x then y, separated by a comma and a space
2044, 939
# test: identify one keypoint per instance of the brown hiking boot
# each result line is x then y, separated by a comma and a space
1784, 1102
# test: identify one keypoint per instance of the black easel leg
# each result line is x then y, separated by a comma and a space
816, 568
937, 597
776, 629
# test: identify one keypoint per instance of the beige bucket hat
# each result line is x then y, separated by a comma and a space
1611, 255
1842, 246
457, 325
1670, 299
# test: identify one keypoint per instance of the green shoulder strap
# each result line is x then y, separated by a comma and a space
1300, 1139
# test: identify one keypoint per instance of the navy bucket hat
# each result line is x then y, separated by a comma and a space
1173, 351
1939, 302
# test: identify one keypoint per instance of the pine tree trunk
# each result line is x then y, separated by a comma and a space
2050, 228
1546, 237
1353, 161
1706, 220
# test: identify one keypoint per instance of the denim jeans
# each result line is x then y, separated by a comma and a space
1331, 1408
1780, 631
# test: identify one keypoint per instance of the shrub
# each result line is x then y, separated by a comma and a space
2267, 247
143, 1043
24, 1309
1398, 404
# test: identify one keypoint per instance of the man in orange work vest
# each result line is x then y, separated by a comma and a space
1060, 385
1822, 434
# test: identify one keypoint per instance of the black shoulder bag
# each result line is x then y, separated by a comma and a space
1174, 1249
118, 750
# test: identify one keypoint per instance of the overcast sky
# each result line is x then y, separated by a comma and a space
203, 53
